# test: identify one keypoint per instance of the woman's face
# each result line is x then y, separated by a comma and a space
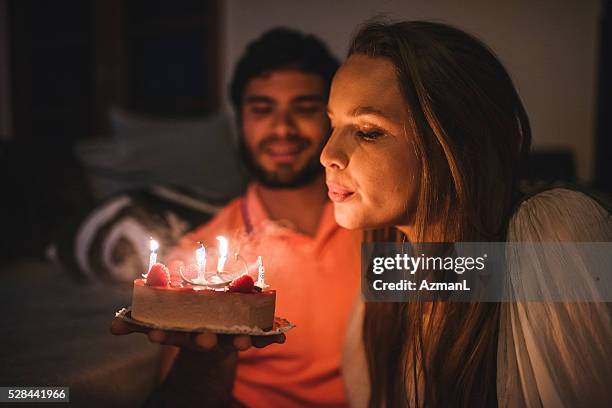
370, 163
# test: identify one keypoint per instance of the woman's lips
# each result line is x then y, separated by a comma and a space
338, 193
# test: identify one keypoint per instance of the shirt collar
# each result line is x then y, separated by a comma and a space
258, 215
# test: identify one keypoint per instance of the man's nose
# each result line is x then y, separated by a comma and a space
284, 124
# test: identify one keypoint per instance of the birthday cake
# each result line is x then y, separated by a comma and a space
164, 298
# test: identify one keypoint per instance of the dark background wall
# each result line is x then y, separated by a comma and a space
603, 156
71, 61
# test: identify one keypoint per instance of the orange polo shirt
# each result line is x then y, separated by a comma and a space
316, 281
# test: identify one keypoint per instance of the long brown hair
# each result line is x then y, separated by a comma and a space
471, 133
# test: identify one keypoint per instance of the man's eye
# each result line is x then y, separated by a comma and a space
261, 110
370, 134
308, 109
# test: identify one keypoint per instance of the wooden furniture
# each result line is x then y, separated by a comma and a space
72, 60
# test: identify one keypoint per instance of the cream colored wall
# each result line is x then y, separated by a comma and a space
550, 48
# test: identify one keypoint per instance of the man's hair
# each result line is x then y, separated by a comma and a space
281, 48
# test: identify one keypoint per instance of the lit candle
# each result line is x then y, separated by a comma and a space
200, 254
260, 273
222, 253
154, 246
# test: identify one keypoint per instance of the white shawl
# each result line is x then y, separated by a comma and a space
549, 354
556, 354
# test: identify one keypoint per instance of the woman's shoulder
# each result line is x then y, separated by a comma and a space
560, 214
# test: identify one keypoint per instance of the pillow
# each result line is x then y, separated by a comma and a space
193, 154
111, 242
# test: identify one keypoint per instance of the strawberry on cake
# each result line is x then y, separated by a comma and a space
164, 299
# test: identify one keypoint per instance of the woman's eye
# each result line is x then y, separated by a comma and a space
370, 134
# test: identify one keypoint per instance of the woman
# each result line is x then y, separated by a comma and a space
428, 134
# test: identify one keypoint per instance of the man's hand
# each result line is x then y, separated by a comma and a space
204, 341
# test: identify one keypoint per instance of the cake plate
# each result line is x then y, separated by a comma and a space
280, 326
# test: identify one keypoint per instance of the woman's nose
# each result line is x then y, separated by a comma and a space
333, 155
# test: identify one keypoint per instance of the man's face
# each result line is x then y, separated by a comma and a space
284, 126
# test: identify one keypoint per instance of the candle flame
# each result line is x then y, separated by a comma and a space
201, 252
222, 246
154, 245
222, 253
201, 262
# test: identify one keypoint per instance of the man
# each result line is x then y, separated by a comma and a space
279, 91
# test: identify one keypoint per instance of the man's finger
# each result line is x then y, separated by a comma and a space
242, 342
157, 336
205, 340
172, 338
263, 341
120, 327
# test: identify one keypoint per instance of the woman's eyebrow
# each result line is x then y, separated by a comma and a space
370, 110
367, 110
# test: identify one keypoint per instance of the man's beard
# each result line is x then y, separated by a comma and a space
280, 179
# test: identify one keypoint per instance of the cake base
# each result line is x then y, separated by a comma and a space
194, 308
280, 326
